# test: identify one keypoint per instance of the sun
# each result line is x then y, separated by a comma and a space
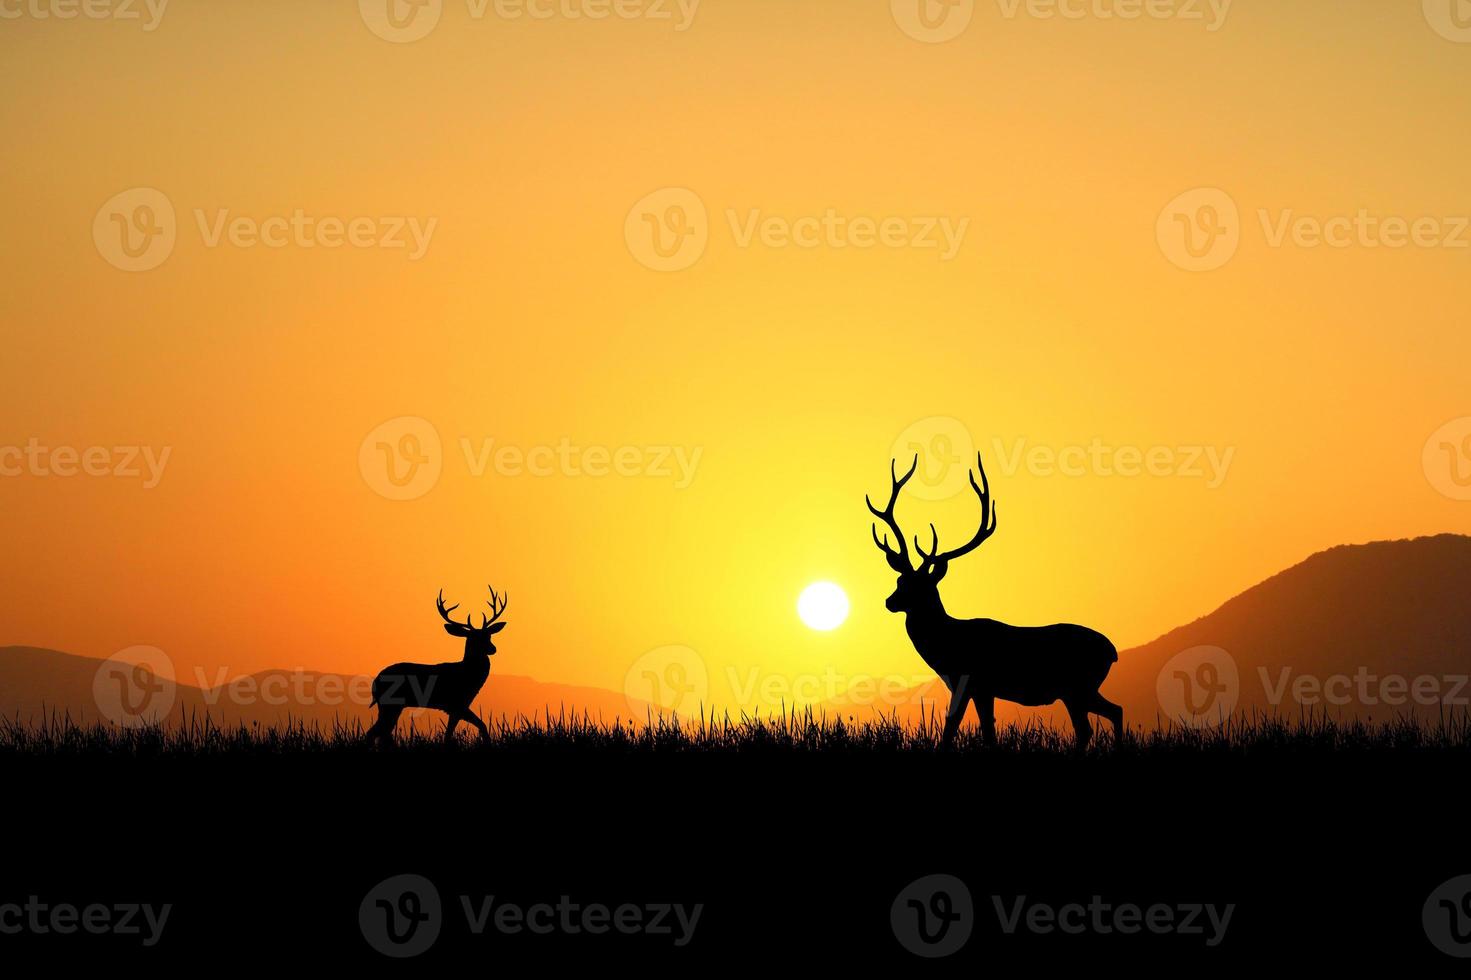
823, 606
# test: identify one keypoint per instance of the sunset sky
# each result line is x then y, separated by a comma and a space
1289, 398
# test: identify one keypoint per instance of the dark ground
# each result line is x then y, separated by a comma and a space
796, 855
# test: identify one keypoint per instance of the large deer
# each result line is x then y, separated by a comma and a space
981, 659
446, 687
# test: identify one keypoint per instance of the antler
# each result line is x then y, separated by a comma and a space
439, 604
987, 528
497, 606
900, 557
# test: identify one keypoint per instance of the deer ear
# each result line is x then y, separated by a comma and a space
938, 572
454, 629
496, 628
898, 564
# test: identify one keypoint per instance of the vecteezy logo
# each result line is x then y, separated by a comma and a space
1451, 19
946, 452
135, 230
401, 21
1199, 686
402, 458
667, 230
672, 678
933, 916
1447, 917
135, 686
1447, 459
933, 21
1200, 229
401, 916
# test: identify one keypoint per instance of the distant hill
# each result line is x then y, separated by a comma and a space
1370, 631
35, 681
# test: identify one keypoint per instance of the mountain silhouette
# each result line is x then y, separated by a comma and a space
1348, 632
35, 680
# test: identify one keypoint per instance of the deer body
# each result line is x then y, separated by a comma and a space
981, 660
448, 687
998, 660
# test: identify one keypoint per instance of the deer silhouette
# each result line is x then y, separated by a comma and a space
981, 660
446, 687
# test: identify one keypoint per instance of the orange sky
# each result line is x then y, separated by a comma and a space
1057, 317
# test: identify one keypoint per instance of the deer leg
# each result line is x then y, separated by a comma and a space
474, 719
449, 727
953, 716
1078, 712
382, 729
1104, 707
986, 708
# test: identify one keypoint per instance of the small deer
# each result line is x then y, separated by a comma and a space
982, 659
447, 687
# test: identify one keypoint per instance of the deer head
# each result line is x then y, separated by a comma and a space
477, 638
918, 588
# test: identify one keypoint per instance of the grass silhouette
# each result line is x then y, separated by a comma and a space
1258, 736
1312, 825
